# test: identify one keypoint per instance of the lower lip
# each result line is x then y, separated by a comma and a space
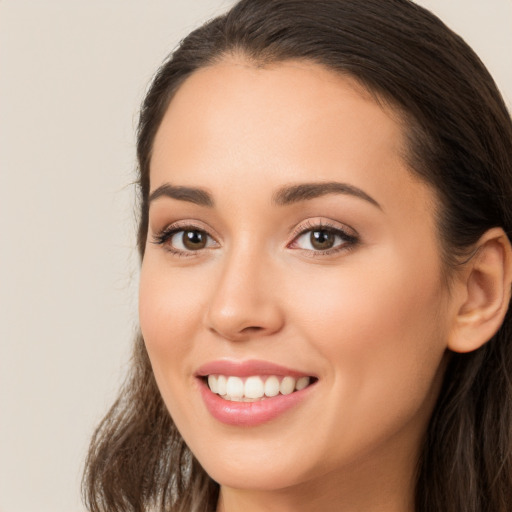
249, 414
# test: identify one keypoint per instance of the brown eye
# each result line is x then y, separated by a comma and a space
183, 241
322, 239
194, 240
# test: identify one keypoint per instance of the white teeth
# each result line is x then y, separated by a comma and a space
221, 385
272, 386
212, 382
235, 387
287, 385
255, 388
302, 383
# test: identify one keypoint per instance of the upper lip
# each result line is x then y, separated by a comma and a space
247, 368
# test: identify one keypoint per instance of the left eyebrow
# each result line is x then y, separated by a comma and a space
307, 191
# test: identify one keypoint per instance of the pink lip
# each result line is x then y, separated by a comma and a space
247, 368
248, 414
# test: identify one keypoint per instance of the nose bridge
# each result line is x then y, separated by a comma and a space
243, 302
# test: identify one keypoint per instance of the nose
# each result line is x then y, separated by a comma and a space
244, 303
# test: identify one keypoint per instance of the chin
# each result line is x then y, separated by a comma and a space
257, 466
254, 477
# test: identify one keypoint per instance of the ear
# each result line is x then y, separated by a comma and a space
486, 282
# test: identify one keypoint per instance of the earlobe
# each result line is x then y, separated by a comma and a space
487, 282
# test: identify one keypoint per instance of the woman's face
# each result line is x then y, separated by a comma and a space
289, 244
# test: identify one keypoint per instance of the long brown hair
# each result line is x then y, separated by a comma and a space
459, 141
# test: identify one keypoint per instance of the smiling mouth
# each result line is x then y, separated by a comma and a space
255, 388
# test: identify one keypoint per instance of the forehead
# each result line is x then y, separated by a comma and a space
292, 121
235, 97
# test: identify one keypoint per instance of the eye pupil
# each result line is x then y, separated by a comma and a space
194, 239
322, 239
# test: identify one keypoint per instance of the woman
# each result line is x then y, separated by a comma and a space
326, 208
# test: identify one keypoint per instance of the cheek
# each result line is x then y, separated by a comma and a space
382, 338
169, 315
380, 328
364, 303
168, 302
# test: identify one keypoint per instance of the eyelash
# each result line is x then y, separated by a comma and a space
162, 237
349, 241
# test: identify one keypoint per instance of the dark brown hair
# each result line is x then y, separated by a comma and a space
459, 137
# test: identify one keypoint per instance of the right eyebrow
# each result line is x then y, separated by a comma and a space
191, 194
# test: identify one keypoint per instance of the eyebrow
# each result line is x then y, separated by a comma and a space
284, 196
306, 191
190, 194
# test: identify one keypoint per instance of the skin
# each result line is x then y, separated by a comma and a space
371, 320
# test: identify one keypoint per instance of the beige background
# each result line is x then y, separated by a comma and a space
72, 75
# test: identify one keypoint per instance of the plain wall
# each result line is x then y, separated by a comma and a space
72, 76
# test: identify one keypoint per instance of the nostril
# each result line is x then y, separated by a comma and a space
251, 329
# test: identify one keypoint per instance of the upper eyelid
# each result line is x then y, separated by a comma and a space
187, 225
347, 237
327, 224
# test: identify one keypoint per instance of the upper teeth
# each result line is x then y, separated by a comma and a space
254, 387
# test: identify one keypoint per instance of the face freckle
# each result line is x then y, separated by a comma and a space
363, 312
